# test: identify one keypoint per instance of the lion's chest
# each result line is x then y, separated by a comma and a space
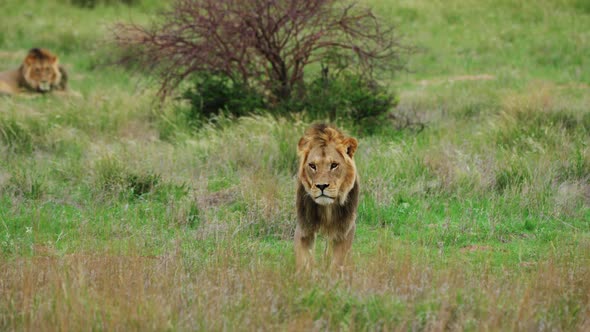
332, 223
326, 215
328, 226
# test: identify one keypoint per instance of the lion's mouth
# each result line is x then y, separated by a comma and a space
44, 87
324, 199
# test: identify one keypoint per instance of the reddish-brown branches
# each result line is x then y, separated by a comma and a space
267, 43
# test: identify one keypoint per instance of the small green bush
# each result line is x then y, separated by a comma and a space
115, 179
94, 3
26, 184
140, 184
110, 174
581, 5
212, 94
347, 97
15, 136
510, 176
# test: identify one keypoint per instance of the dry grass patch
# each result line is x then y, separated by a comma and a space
460, 168
392, 287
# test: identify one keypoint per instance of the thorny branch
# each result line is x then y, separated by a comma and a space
262, 43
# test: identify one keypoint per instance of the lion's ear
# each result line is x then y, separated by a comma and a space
351, 144
52, 58
30, 59
301, 145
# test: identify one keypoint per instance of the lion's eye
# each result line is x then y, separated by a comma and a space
333, 166
312, 166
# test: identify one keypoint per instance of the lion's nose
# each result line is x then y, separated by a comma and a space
322, 186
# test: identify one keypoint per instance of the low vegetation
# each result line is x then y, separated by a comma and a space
117, 214
251, 55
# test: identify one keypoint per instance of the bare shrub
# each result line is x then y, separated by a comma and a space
262, 43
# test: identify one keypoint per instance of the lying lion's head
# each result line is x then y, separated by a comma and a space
40, 70
326, 168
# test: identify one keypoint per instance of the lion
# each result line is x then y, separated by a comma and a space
327, 194
39, 73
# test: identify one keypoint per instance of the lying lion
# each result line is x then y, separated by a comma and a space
327, 194
39, 73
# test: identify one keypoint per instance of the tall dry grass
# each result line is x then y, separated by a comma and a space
389, 288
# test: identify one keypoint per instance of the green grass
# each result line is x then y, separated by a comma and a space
114, 214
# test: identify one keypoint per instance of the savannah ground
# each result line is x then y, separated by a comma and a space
114, 215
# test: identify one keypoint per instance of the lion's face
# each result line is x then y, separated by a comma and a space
327, 170
41, 70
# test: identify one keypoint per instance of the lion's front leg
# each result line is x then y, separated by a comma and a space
303, 249
340, 250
